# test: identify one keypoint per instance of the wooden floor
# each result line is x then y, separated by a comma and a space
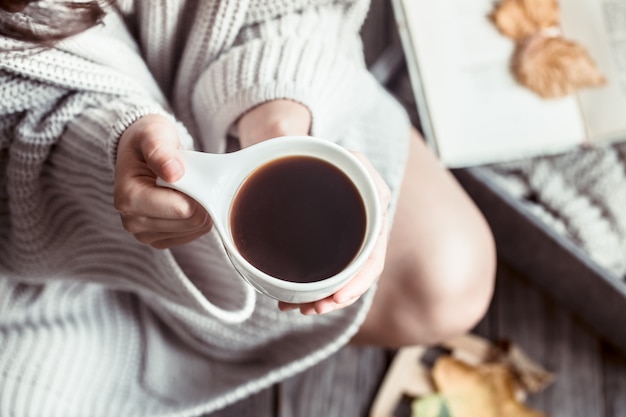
591, 376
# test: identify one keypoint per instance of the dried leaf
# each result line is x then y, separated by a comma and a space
519, 19
530, 375
544, 62
504, 386
466, 390
554, 67
484, 390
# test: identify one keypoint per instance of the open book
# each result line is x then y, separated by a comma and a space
471, 108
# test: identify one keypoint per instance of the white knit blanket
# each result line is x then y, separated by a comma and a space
579, 194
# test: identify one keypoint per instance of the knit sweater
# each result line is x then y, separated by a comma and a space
94, 323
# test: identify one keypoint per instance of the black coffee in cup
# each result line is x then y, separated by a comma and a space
298, 218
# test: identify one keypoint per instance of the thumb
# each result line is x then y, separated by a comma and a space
160, 148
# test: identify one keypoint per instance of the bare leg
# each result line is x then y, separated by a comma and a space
439, 272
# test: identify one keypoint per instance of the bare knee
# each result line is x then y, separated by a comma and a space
433, 300
440, 265
454, 300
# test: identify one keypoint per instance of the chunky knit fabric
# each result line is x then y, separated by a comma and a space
578, 194
93, 323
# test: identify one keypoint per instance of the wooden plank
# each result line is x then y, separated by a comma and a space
614, 382
550, 336
404, 377
262, 404
343, 385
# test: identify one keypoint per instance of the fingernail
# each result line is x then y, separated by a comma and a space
345, 299
308, 311
326, 308
172, 169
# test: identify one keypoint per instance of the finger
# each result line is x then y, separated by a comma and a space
159, 227
307, 309
166, 241
140, 224
283, 306
272, 119
160, 149
368, 274
329, 304
324, 306
150, 236
141, 197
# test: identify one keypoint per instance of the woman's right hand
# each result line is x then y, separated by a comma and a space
158, 216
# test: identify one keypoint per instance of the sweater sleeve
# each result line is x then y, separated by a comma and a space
63, 112
311, 54
58, 147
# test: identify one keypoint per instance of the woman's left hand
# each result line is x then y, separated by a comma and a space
289, 118
157, 216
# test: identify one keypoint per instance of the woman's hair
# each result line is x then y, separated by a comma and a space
43, 22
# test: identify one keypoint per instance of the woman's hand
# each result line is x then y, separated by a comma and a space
284, 117
273, 119
160, 217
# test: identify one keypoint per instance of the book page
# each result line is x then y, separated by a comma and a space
600, 26
477, 111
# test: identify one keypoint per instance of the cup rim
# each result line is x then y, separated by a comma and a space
371, 204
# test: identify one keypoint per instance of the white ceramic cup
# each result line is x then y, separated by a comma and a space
214, 180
